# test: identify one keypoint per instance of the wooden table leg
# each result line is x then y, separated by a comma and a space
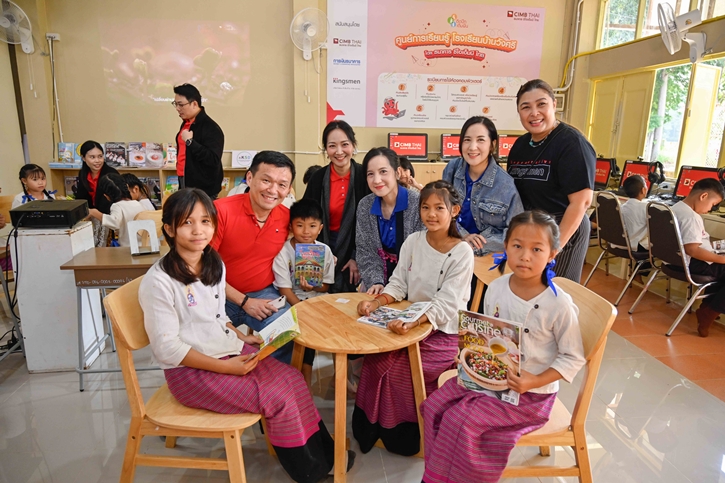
298, 353
340, 416
416, 369
477, 294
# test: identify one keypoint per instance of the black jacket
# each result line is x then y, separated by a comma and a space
203, 168
100, 203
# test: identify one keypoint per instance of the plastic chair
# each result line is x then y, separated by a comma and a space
596, 317
614, 239
667, 255
162, 415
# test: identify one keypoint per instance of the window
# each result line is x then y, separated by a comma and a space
651, 24
717, 125
620, 22
712, 8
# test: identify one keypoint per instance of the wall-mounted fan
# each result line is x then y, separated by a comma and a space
674, 31
15, 27
309, 30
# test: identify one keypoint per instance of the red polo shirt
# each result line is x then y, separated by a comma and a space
181, 155
339, 186
92, 186
247, 250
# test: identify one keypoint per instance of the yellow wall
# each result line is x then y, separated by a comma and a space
11, 147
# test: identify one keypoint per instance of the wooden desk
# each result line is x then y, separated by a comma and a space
104, 268
484, 276
330, 326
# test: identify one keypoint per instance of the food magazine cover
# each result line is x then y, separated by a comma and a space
137, 155
309, 263
488, 346
116, 155
154, 155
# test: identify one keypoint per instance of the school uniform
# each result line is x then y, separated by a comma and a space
469, 435
284, 270
385, 403
121, 213
147, 204
634, 214
22, 198
180, 317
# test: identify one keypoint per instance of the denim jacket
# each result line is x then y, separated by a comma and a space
494, 200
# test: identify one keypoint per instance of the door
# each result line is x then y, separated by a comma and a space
704, 84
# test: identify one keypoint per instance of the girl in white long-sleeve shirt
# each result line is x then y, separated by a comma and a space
123, 209
433, 265
469, 434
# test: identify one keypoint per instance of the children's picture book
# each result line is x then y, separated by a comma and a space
718, 246
71, 187
116, 155
137, 155
154, 155
225, 183
66, 153
172, 184
381, 316
279, 332
153, 186
309, 263
489, 347
169, 153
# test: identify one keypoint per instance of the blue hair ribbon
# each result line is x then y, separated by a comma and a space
498, 259
549, 273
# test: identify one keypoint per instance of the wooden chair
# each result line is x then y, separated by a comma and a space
156, 217
596, 317
162, 415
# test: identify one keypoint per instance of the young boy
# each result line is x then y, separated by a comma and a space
634, 213
705, 195
305, 225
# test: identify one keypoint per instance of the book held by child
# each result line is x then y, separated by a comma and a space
381, 316
309, 263
488, 347
284, 329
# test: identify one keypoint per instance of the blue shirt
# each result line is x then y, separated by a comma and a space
387, 228
465, 218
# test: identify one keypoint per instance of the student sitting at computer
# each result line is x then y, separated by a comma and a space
634, 213
705, 195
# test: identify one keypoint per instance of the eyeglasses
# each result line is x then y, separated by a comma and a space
178, 105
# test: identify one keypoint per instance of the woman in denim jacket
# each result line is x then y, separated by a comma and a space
490, 198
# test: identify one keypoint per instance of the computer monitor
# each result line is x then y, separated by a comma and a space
602, 174
635, 167
689, 175
504, 145
449, 146
414, 145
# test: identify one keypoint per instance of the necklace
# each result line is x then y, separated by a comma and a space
536, 144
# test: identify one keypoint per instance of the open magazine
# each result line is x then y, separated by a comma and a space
279, 332
381, 316
488, 348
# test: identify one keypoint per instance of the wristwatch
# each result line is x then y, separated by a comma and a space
188, 141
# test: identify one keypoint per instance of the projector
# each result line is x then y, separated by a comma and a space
49, 214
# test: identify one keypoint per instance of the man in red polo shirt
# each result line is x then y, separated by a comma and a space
252, 227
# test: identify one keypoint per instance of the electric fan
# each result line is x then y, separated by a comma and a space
674, 31
309, 30
15, 27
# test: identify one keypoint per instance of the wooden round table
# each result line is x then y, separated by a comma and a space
484, 275
328, 325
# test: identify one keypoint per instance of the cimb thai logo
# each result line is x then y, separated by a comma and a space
347, 42
529, 16
351, 24
353, 62
344, 82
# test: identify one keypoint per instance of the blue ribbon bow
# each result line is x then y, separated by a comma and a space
550, 274
498, 259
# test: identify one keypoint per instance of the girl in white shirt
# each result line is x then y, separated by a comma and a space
123, 209
207, 362
469, 435
33, 179
433, 265
138, 191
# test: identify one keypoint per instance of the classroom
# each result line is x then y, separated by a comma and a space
362, 240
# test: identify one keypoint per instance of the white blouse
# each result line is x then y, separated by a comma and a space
551, 337
425, 274
180, 317
121, 213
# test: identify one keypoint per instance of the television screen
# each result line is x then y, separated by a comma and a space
504, 145
414, 146
689, 175
635, 167
449, 146
603, 170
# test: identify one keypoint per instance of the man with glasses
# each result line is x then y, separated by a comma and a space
199, 143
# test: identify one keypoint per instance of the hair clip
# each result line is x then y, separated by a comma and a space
498, 259
549, 273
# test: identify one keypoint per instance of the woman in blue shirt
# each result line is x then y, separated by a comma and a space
385, 218
490, 198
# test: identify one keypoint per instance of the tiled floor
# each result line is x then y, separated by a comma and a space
698, 359
647, 423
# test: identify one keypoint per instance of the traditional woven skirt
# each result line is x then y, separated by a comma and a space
469, 435
276, 391
385, 404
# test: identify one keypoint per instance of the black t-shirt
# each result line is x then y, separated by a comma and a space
544, 176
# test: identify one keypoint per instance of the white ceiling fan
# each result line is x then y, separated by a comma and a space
675, 29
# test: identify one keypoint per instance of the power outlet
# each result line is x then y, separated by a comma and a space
52, 36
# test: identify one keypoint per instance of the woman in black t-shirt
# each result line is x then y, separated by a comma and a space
553, 166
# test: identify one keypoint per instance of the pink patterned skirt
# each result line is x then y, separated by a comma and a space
469, 436
273, 389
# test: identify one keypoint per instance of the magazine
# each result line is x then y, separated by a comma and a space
71, 187
225, 183
172, 184
488, 346
154, 155
153, 186
66, 153
169, 153
137, 155
116, 154
381, 316
309, 263
278, 333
